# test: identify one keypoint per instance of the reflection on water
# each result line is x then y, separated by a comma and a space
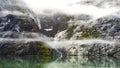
67, 62
86, 62
23, 62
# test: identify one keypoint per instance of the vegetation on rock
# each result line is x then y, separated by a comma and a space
85, 32
29, 48
18, 24
70, 31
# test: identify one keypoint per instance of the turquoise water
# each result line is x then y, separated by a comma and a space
66, 62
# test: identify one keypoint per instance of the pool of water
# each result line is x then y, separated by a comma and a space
53, 62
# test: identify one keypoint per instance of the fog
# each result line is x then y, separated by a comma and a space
73, 7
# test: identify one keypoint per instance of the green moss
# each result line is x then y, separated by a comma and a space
70, 31
42, 49
27, 25
30, 48
88, 33
39, 48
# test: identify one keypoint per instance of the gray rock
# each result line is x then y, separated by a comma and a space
95, 49
109, 27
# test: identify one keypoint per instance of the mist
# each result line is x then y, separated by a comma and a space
73, 7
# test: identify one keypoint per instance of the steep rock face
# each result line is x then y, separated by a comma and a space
13, 25
29, 48
13, 28
54, 23
18, 24
78, 32
109, 27
95, 49
106, 28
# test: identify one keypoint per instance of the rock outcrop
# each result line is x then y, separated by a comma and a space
105, 28
95, 49
108, 27
18, 24
29, 48
51, 25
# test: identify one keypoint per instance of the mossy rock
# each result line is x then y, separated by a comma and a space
29, 48
28, 26
18, 24
70, 31
86, 32
39, 48
90, 32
